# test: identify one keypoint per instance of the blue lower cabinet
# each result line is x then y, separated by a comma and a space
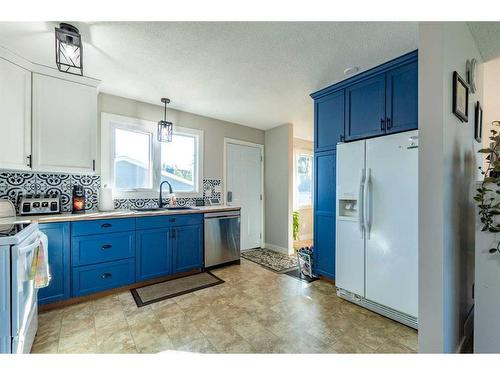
187, 248
153, 253
59, 263
100, 248
99, 277
92, 256
324, 242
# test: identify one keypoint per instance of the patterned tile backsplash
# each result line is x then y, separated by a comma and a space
13, 184
212, 188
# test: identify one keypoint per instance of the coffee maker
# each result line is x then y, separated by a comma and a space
78, 199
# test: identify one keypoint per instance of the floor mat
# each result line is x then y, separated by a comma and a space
172, 288
298, 275
274, 260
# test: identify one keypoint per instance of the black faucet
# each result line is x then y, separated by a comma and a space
160, 203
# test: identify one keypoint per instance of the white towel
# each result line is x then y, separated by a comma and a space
40, 266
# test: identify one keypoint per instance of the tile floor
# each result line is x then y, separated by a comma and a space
254, 311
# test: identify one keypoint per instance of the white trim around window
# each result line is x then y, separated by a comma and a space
110, 122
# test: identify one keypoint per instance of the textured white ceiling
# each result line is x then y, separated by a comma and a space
255, 74
487, 36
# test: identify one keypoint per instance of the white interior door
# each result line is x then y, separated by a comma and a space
244, 189
392, 228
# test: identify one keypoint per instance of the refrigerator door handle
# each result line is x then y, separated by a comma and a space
366, 202
361, 203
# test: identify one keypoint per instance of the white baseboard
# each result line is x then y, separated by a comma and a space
270, 246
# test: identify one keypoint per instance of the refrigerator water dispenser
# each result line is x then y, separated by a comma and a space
348, 209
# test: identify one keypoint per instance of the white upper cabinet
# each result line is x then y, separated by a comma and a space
15, 116
64, 125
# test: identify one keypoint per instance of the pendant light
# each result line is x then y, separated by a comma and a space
165, 128
69, 49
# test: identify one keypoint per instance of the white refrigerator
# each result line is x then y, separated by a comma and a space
377, 225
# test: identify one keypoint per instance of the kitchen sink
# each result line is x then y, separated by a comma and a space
151, 209
154, 209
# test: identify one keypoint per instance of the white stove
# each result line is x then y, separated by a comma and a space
19, 241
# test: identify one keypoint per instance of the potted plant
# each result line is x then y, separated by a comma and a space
295, 225
488, 193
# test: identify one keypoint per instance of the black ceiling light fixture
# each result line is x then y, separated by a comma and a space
69, 49
165, 128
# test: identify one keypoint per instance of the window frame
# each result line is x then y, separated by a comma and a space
198, 165
110, 122
297, 154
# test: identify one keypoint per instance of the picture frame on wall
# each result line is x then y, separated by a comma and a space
478, 122
460, 98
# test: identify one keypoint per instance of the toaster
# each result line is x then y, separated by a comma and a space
36, 204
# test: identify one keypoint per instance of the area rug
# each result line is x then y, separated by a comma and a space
274, 260
172, 288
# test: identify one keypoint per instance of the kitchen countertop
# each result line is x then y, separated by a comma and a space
120, 214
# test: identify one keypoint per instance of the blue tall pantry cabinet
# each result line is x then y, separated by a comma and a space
380, 101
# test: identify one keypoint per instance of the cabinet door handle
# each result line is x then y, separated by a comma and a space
173, 233
382, 124
389, 125
106, 225
29, 164
342, 138
106, 275
106, 247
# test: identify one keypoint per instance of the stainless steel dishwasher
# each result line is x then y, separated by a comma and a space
222, 238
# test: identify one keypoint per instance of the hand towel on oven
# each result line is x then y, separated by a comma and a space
40, 267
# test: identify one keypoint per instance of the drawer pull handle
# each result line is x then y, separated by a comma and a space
389, 125
172, 220
106, 275
105, 247
106, 225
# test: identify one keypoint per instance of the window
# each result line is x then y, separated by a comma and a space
134, 163
178, 162
303, 180
132, 160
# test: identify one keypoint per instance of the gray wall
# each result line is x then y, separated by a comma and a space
278, 178
214, 130
447, 174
